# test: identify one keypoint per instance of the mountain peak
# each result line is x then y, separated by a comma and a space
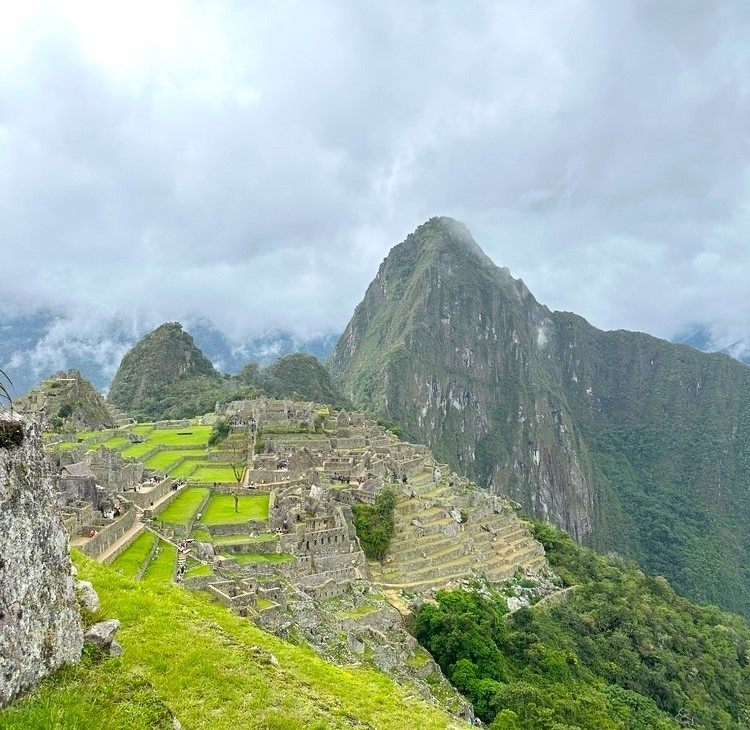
447, 235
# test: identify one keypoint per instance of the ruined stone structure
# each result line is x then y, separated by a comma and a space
40, 627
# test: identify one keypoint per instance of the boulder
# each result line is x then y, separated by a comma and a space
40, 624
87, 596
205, 551
102, 634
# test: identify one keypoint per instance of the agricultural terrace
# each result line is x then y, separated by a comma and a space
221, 510
184, 506
180, 452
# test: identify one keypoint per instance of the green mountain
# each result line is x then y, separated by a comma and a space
68, 401
165, 375
302, 377
628, 442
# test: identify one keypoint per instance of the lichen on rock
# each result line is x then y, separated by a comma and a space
40, 626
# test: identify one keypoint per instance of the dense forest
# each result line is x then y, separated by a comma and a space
624, 651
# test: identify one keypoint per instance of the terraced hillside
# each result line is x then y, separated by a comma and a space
431, 549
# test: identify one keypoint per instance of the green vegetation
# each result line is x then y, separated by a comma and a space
163, 460
246, 558
241, 539
131, 560
375, 525
221, 429
162, 564
166, 376
624, 651
220, 510
215, 472
190, 436
302, 377
189, 657
644, 444
184, 506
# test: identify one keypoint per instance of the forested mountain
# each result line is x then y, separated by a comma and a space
165, 376
299, 376
628, 442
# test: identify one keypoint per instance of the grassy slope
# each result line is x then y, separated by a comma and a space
187, 656
220, 510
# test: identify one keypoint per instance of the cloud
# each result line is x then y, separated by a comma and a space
252, 163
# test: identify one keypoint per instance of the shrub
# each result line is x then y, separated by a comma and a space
376, 525
219, 432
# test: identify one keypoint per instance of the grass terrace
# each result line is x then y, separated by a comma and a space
190, 436
214, 472
247, 558
184, 505
161, 567
195, 568
136, 451
163, 460
186, 468
130, 561
67, 445
142, 429
237, 539
114, 443
220, 510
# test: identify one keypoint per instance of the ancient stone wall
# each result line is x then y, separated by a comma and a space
107, 535
40, 627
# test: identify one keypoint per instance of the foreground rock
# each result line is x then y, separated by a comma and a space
40, 627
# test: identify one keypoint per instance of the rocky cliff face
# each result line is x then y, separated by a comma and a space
628, 442
40, 627
457, 352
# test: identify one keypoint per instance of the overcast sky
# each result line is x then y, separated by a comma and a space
254, 162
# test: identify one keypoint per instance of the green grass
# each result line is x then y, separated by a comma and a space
214, 473
142, 429
114, 443
129, 562
163, 460
184, 505
246, 558
67, 445
185, 468
190, 657
190, 436
359, 611
137, 450
201, 535
196, 569
162, 564
220, 510
241, 539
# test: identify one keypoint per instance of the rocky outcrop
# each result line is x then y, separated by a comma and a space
40, 627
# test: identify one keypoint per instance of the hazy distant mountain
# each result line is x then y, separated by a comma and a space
33, 346
716, 338
631, 443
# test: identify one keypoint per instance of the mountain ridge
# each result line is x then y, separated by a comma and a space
610, 435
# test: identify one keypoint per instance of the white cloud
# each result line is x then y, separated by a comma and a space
254, 162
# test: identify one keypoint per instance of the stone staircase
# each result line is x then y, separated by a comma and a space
431, 549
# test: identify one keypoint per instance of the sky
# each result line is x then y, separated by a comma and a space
253, 163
